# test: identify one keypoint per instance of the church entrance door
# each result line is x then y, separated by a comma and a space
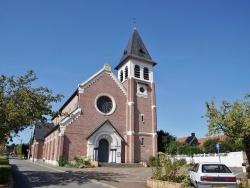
103, 151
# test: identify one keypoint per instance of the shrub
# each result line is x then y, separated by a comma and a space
19, 149
248, 169
81, 162
4, 161
182, 162
152, 161
186, 181
5, 171
171, 168
20, 156
62, 161
3, 157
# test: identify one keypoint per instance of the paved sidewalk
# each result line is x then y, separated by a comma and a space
135, 177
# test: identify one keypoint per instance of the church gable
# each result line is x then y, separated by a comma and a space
99, 84
101, 100
105, 70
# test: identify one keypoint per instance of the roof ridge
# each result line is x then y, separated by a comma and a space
135, 48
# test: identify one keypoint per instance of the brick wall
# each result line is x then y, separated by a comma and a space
75, 142
145, 127
126, 119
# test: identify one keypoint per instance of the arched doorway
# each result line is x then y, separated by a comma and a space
103, 150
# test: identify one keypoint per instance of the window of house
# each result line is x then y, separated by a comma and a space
145, 73
137, 71
126, 72
121, 76
142, 141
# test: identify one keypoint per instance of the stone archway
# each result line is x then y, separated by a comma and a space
103, 150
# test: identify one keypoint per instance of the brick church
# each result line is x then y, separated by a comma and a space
111, 118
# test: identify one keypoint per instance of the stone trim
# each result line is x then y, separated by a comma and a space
151, 183
68, 120
106, 69
140, 133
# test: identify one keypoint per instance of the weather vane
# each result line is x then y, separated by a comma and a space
134, 22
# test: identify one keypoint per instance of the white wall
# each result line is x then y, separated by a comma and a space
232, 159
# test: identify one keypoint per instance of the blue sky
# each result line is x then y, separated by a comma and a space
202, 49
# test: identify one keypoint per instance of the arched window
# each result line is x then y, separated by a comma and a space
145, 73
121, 76
137, 71
126, 72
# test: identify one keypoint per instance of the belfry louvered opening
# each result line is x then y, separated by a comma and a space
137, 71
121, 76
146, 73
126, 72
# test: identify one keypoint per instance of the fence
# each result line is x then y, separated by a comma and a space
232, 159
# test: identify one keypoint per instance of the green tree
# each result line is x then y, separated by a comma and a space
232, 145
226, 145
176, 147
10, 148
191, 150
231, 119
163, 140
21, 104
209, 145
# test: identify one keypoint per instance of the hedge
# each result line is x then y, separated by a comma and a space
4, 161
3, 157
5, 171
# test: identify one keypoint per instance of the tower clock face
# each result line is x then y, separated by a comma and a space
104, 104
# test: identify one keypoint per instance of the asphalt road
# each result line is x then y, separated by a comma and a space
28, 175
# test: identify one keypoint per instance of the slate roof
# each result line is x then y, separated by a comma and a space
135, 48
42, 129
191, 140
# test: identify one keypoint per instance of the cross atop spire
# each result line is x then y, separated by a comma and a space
134, 23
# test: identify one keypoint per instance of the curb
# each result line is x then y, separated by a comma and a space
104, 184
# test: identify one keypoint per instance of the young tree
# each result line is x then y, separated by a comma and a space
232, 119
21, 104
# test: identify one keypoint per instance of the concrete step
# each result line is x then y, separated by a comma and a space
120, 165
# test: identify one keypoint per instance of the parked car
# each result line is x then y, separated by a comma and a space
215, 175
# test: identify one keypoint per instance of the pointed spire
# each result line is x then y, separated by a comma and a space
135, 48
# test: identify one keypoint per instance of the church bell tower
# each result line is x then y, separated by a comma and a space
135, 72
